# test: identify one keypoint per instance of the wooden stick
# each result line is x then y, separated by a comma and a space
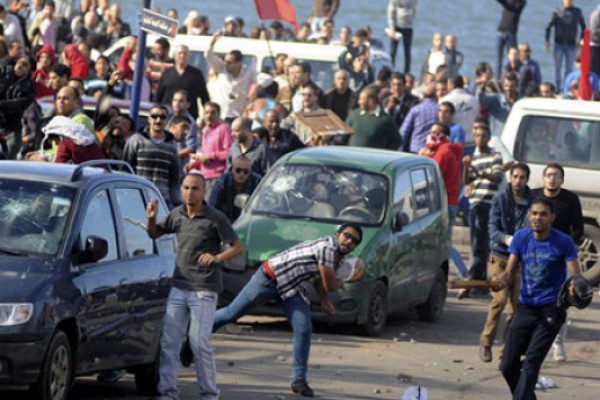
470, 284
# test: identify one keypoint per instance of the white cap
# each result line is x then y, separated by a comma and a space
229, 18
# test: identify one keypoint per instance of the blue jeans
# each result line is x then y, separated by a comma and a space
504, 41
454, 254
181, 306
531, 334
567, 53
479, 217
261, 289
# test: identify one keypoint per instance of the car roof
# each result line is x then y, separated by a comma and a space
364, 158
71, 175
559, 107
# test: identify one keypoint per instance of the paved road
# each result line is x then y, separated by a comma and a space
254, 361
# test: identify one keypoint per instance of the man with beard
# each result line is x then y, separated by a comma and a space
245, 144
543, 255
240, 180
568, 220
280, 141
507, 215
285, 278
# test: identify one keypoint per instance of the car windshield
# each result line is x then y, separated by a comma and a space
322, 192
571, 142
32, 217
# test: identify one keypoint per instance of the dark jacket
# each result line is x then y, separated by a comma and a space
15, 96
565, 22
511, 13
222, 196
507, 217
401, 109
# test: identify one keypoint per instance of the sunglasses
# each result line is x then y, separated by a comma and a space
158, 116
244, 171
351, 237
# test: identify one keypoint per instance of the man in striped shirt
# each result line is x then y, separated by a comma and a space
153, 155
285, 278
483, 173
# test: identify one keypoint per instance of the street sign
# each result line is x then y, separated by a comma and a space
159, 24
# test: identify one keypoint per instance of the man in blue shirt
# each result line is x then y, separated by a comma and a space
543, 254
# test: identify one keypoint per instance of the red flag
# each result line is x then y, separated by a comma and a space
277, 9
585, 87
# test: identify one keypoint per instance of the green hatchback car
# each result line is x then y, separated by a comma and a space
398, 199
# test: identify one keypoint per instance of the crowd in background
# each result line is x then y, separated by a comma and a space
45, 47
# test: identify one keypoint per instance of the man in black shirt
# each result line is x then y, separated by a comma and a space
507, 28
340, 98
569, 220
183, 76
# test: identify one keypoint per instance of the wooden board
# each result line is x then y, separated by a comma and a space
323, 123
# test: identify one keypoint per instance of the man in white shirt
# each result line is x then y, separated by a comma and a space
465, 104
233, 82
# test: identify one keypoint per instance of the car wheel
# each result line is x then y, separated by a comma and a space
432, 309
146, 377
588, 253
377, 312
56, 375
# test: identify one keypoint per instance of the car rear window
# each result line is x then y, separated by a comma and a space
569, 141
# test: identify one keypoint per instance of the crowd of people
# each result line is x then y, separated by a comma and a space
230, 126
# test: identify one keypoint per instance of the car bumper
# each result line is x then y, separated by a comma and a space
20, 362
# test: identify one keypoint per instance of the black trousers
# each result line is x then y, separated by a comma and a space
407, 34
595, 64
531, 334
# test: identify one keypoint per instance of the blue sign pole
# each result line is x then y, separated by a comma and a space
139, 69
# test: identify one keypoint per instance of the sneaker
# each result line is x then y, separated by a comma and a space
560, 354
111, 376
485, 353
301, 387
463, 294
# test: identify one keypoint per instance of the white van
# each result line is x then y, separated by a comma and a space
542, 131
257, 53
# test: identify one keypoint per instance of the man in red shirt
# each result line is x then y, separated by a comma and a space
448, 157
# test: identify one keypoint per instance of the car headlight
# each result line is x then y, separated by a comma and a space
15, 313
349, 269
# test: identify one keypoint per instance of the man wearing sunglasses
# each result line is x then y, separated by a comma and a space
153, 155
285, 278
240, 180
568, 220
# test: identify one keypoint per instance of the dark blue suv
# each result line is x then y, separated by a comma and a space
83, 288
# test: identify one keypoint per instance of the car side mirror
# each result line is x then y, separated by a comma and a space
400, 219
96, 249
240, 200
